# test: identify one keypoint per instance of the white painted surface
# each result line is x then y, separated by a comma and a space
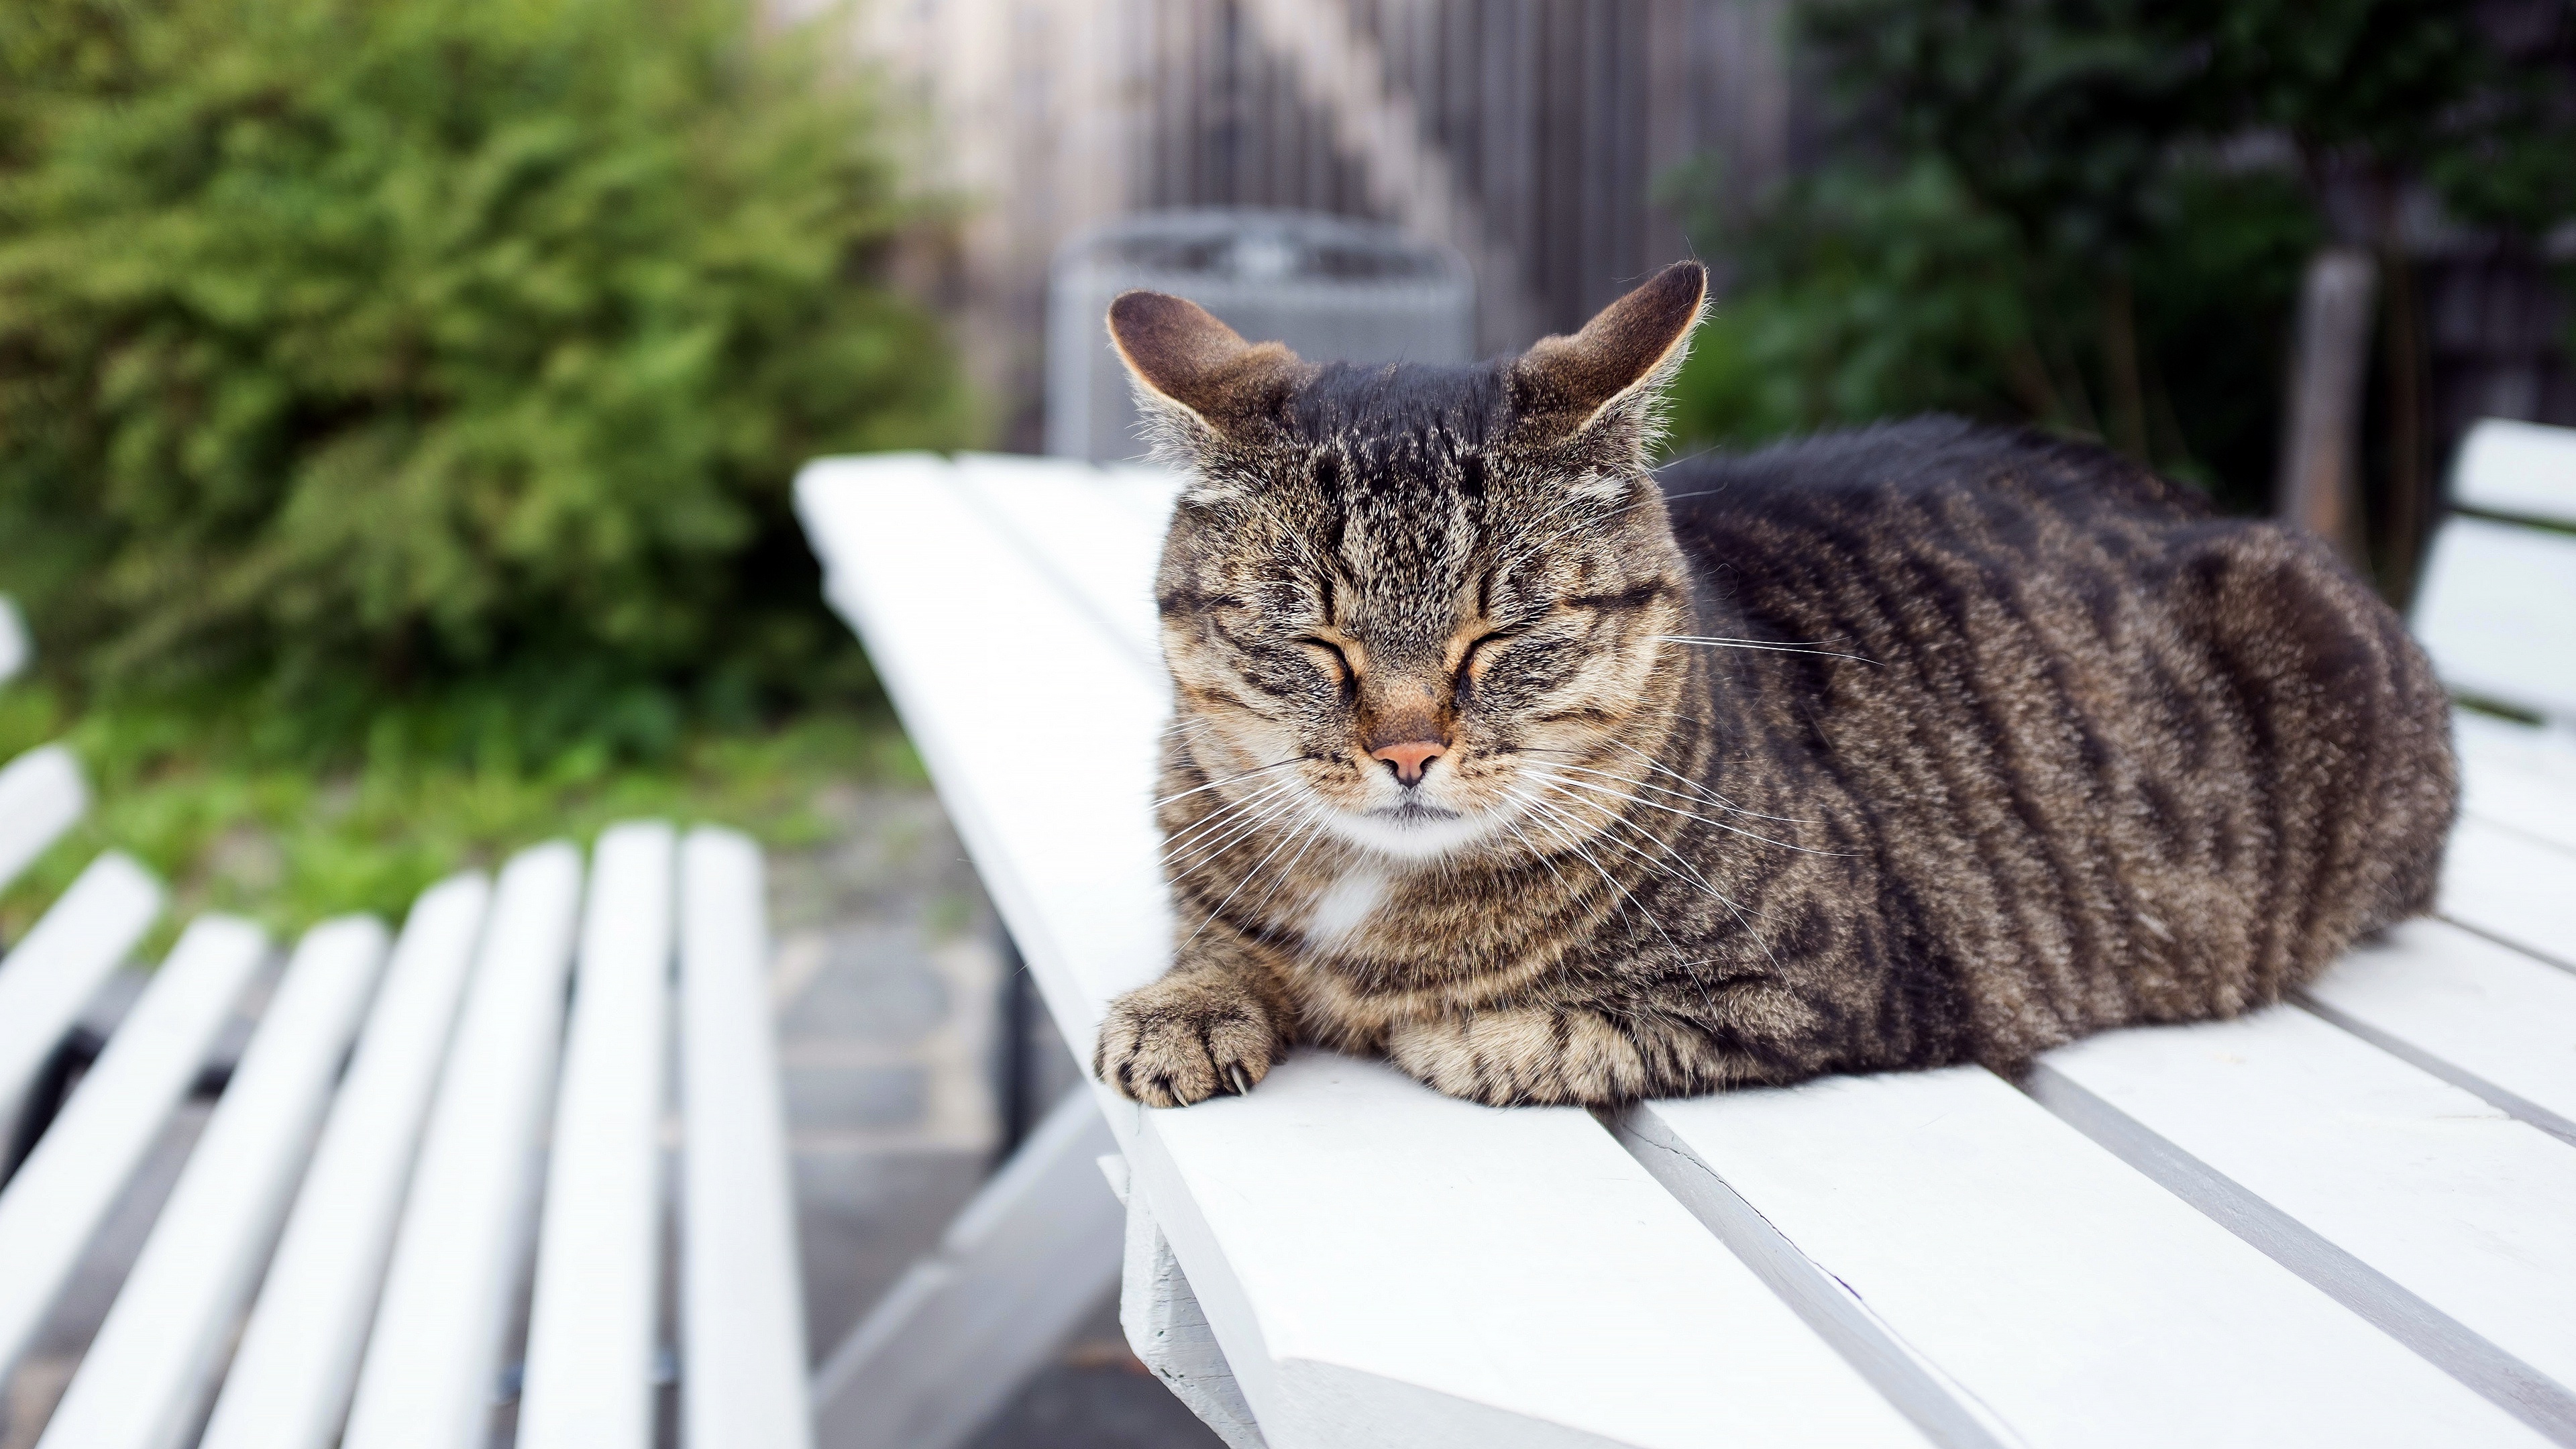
1342, 1226
2459, 1205
1064, 521
143, 1380
291, 1376
2497, 611
2509, 886
2056, 1296
54, 1204
599, 1249
1169, 1332
2521, 778
742, 1333
1020, 1268
428, 1376
48, 977
41, 796
15, 648
2527, 470
2481, 1016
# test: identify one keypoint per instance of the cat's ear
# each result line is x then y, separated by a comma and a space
1614, 371
1194, 370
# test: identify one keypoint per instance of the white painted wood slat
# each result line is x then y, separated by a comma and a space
2525, 470
1979, 1252
15, 648
2521, 778
2481, 1016
41, 796
1342, 1225
143, 1380
2497, 611
2500, 883
1016, 1272
289, 1384
599, 1248
1066, 521
52, 974
54, 1204
427, 1379
2442, 1220
743, 1318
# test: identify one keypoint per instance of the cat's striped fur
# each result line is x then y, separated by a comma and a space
1923, 744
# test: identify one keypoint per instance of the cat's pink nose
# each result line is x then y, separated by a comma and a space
1410, 758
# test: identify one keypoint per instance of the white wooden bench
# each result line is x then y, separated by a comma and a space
2347, 1221
401, 1193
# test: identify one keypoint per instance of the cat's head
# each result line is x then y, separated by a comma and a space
1391, 590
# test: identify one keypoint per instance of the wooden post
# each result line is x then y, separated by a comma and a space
2320, 478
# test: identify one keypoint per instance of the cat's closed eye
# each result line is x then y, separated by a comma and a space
1343, 674
1481, 649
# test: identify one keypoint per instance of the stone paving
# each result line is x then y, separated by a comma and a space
887, 983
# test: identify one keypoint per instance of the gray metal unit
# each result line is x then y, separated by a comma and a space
1328, 286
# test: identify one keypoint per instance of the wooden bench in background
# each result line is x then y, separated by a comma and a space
361, 1204
2350, 1220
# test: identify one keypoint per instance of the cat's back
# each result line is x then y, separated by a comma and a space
1924, 480
2124, 758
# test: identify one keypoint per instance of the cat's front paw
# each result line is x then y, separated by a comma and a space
1520, 1056
1185, 1039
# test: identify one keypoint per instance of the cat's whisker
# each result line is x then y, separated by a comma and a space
1205, 851
1693, 876
1660, 768
1576, 845
1228, 780
1676, 810
1249, 830
1314, 831
1226, 811
1706, 797
1313, 812
1763, 646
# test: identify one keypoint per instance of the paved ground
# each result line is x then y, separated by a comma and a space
887, 983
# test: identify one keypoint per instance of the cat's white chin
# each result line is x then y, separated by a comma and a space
1418, 833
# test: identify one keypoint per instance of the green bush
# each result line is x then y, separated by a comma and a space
355, 350
2092, 214
1864, 292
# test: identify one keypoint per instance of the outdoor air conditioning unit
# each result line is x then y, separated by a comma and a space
1328, 286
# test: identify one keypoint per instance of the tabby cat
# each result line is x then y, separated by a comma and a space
1552, 778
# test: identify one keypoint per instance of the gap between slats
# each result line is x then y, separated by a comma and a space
2465, 1355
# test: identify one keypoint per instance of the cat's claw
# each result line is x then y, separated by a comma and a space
1184, 1039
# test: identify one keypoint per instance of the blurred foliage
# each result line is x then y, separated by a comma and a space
236, 818
2092, 214
439, 360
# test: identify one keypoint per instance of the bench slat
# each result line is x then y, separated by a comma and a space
54, 972
15, 649
290, 1379
2497, 611
41, 796
743, 1333
1984, 1249
427, 1379
143, 1380
2480, 1016
2527, 470
1320, 1218
2443, 1220
52, 1207
1065, 519
2511, 887
599, 1248
2518, 777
